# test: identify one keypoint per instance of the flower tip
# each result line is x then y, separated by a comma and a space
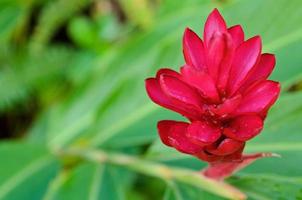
236, 30
160, 124
187, 29
254, 43
214, 23
237, 26
276, 84
276, 155
150, 84
186, 35
147, 80
271, 57
257, 39
215, 11
215, 14
188, 32
270, 155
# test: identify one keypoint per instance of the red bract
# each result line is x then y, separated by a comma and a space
222, 89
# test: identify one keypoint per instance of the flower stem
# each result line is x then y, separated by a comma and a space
157, 170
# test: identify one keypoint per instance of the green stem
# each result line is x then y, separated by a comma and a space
157, 170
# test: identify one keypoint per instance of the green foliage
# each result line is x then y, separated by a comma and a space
53, 15
28, 176
84, 70
276, 187
24, 73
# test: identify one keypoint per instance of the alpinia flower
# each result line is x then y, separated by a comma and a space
222, 90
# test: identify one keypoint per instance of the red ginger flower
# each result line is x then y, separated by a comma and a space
222, 89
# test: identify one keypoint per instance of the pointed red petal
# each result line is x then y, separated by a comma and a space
214, 23
222, 170
225, 64
193, 50
261, 71
245, 58
202, 81
173, 133
203, 155
228, 106
168, 72
259, 97
181, 94
156, 94
244, 128
237, 34
164, 129
226, 147
234, 157
215, 53
202, 133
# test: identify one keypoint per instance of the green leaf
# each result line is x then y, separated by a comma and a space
21, 73
10, 14
149, 168
54, 14
88, 181
25, 171
140, 12
179, 191
264, 187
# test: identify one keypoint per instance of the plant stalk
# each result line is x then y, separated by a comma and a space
157, 170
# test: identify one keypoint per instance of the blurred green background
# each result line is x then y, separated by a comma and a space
72, 77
